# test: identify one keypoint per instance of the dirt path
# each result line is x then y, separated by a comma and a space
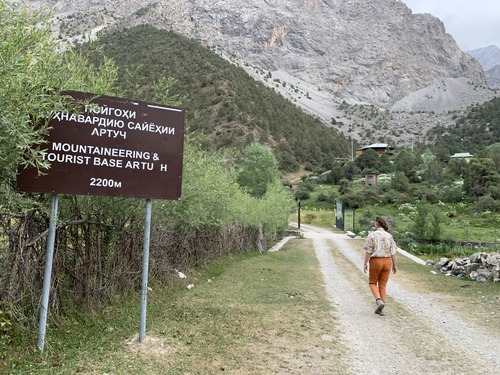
418, 334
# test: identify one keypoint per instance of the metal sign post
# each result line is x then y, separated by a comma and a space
107, 146
48, 273
145, 269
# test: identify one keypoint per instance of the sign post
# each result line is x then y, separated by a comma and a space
145, 267
107, 146
42, 323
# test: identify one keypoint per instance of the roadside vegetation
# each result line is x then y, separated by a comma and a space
248, 314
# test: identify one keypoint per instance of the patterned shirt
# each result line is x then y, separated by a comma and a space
380, 244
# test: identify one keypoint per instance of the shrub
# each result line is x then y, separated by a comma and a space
371, 196
322, 197
332, 197
344, 187
452, 195
302, 194
486, 203
353, 201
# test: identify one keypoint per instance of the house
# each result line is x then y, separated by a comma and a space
379, 147
462, 155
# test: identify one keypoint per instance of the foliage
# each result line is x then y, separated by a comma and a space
406, 162
370, 159
336, 174
98, 239
400, 182
344, 186
33, 72
479, 175
258, 169
427, 223
302, 194
5, 330
221, 100
102, 236
485, 204
472, 132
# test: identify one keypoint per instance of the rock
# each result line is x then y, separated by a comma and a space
477, 267
475, 258
458, 271
492, 260
471, 267
460, 261
442, 262
350, 234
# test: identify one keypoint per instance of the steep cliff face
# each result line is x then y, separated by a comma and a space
373, 51
489, 58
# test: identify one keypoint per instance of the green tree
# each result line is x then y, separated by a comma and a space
370, 159
479, 175
434, 172
33, 72
336, 174
258, 170
350, 170
385, 163
400, 182
494, 153
421, 225
406, 163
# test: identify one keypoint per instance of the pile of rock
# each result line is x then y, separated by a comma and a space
482, 267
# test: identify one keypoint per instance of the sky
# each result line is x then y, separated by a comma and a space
472, 23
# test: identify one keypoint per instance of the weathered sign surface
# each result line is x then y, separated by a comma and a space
112, 147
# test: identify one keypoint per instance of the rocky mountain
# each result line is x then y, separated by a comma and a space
489, 58
339, 56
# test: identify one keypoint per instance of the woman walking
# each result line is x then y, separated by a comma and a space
380, 251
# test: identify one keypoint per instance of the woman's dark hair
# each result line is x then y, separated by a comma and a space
381, 221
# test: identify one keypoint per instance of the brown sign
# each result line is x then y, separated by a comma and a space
112, 147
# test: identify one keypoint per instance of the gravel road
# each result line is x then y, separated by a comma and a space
418, 335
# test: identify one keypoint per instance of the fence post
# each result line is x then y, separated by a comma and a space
298, 213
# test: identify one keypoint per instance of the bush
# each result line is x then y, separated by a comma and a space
371, 196
427, 195
332, 197
302, 194
486, 203
367, 219
322, 197
5, 330
353, 201
452, 195
344, 187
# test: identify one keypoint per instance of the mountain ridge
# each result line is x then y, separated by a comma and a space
489, 58
397, 65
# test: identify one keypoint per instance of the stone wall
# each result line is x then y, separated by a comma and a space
481, 267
